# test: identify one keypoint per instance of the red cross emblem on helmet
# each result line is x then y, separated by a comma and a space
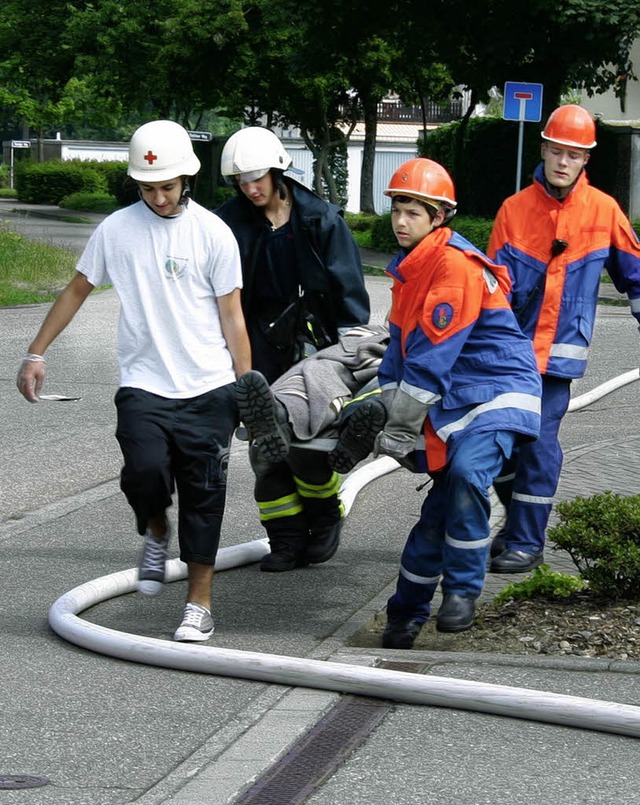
150, 157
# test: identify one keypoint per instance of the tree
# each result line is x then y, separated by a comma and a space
577, 43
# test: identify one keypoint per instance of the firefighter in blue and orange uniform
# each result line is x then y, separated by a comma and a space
556, 237
461, 389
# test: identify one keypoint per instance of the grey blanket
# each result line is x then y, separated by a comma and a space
316, 390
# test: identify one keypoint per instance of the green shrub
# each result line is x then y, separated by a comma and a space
601, 534
475, 230
541, 583
219, 195
5, 176
90, 202
382, 237
49, 182
7, 192
119, 185
360, 221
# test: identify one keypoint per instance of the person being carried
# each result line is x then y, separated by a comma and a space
555, 237
182, 342
303, 286
461, 390
329, 402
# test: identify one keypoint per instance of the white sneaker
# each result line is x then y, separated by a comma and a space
197, 624
151, 568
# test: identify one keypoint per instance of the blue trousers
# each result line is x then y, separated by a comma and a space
529, 479
450, 541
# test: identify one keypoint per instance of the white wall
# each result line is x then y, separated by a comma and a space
99, 153
389, 156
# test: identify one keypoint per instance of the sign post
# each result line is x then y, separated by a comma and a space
522, 102
15, 144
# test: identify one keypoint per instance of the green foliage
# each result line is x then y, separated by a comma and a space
359, 221
362, 238
601, 533
483, 183
220, 195
482, 159
475, 230
361, 224
31, 271
90, 202
5, 179
7, 192
541, 583
382, 237
49, 182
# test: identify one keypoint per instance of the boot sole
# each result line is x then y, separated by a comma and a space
515, 570
258, 412
358, 438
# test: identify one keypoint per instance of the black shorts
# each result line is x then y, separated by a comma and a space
178, 445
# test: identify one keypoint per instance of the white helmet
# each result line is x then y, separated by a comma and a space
253, 151
161, 150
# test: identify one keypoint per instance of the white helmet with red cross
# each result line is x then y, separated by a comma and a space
161, 150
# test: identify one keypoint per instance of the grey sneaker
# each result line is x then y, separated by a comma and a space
151, 568
197, 624
264, 416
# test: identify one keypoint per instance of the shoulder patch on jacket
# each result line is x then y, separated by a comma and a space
442, 315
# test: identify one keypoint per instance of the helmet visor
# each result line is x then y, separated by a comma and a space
250, 176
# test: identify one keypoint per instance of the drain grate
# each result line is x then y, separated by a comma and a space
317, 755
14, 781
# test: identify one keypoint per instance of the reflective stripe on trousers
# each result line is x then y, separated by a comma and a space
451, 539
529, 480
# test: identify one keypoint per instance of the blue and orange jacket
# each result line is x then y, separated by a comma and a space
555, 297
456, 346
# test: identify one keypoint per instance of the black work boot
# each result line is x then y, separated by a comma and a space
401, 632
284, 556
323, 543
511, 561
456, 613
357, 438
264, 416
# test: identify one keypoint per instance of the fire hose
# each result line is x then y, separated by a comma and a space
400, 686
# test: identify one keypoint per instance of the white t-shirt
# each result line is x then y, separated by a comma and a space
167, 273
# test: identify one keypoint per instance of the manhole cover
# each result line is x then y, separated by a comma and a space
13, 781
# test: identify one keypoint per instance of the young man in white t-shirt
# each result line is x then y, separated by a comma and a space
182, 343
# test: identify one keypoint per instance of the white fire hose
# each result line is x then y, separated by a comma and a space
400, 686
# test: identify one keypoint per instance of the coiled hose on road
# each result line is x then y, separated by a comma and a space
400, 686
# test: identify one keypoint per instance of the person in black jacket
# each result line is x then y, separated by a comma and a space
303, 287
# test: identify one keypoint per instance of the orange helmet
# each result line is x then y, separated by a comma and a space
424, 180
571, 125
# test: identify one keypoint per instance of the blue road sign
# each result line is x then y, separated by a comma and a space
522, 102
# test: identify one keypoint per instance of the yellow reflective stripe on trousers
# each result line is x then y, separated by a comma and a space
287, 506
319, 491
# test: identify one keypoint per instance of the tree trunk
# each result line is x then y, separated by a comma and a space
370, 107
